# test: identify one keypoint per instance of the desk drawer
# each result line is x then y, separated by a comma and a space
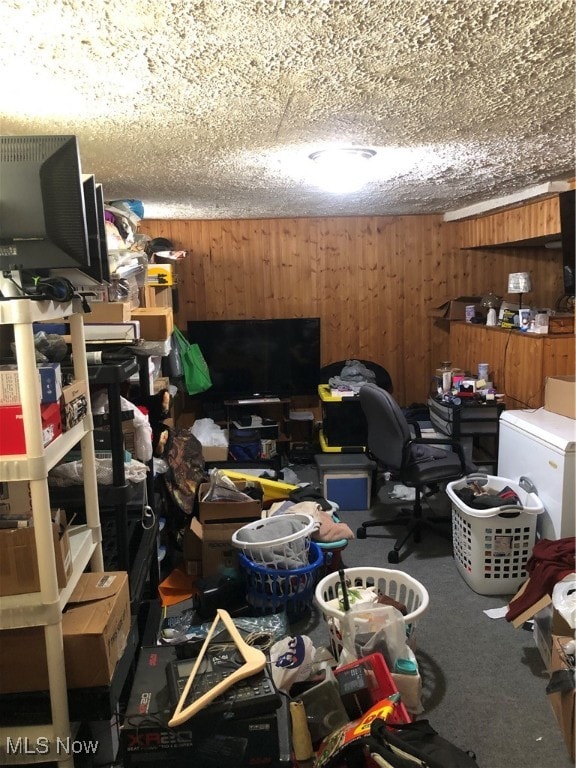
464, 420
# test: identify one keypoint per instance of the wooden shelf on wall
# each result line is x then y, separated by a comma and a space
526, 224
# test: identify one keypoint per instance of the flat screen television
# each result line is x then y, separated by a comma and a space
567, 223
99, 268
259, 358
42, 216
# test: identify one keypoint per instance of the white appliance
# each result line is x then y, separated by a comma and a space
540, 445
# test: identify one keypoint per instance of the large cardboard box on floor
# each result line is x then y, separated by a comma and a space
95, 626
19, 562
560, 395
563, 700
207, 546
218, 554
547, 623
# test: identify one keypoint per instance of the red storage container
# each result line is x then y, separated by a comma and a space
364, 683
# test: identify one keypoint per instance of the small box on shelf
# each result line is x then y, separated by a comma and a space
109, 312
73, 403
156, 323
12, 438
19, 574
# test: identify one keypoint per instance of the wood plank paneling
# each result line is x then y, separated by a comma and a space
371, 280
526, 221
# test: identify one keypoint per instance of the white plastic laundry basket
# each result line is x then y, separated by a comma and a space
260, 541
394, 584
492, 546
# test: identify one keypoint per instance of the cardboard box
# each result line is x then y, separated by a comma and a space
50, 377
50, 382
128, 331
9, 385
73, 403
547, 623
51, 418
563, 701
160, 383
218, 552
12, 439
156, 323
560, 395
561, 323
18, 559
95, 626
227, 511
207, 545
454, 308
215, 452
155, 296
109, 312
15, 498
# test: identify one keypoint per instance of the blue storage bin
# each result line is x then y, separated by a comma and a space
270, 590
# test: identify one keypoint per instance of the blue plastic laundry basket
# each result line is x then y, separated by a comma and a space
270, 590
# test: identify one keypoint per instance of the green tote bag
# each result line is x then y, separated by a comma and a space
196, 374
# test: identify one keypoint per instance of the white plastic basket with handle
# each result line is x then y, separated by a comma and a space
394, 584
260, 541
492, 546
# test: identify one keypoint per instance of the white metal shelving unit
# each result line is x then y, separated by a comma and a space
44, 608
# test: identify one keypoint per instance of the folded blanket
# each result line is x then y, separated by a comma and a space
329, 530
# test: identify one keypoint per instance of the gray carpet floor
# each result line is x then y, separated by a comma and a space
483, 681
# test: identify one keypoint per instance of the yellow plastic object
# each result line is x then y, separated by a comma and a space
160, 274
273, 489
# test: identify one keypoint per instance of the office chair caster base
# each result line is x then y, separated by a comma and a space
361, 533
393, 556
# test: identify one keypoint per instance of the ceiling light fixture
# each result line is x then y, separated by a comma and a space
342, 170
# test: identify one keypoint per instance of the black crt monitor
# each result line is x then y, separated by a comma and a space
42, 215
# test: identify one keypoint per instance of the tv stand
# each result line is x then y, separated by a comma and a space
273, 408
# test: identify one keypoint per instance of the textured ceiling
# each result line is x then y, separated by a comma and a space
210, 108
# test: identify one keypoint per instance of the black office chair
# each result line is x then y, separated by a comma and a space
416, 461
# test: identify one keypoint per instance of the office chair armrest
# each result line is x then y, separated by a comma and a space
452, 441
415, 425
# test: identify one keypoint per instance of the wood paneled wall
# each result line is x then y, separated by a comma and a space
537, 219
371, 280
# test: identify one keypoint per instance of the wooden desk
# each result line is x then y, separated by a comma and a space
518, 362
